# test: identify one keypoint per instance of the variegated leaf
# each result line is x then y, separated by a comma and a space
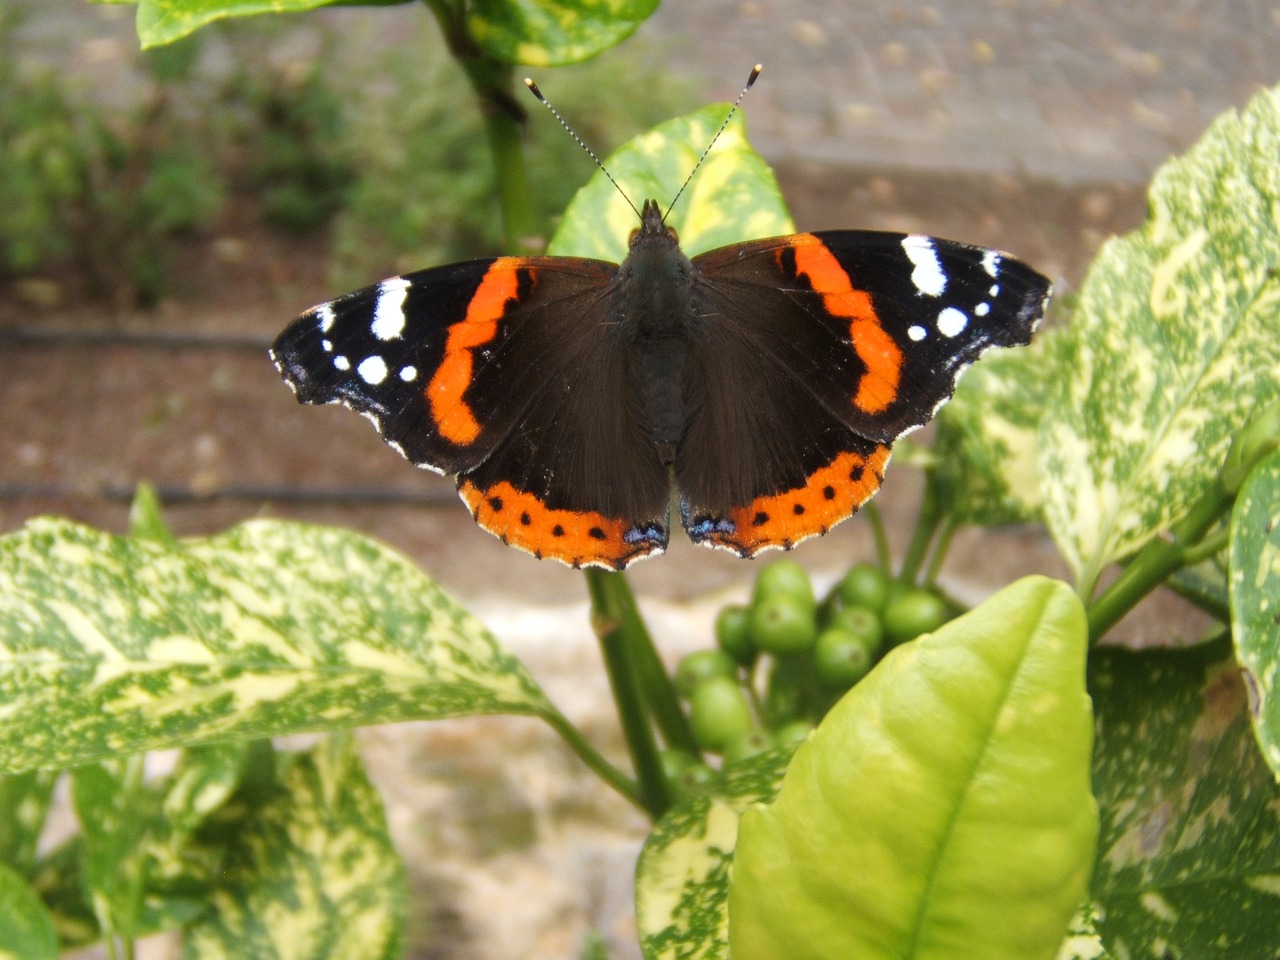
682, 879
311, 873
734, 196
541, 33
110, 645
164, 21
1189, 853
1172, 346
1255, 600
1083, 941
985, 451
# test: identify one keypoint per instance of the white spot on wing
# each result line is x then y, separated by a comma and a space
324, 313
994, 291
982, 309
917, 332
342, 363
928, 275
388, 314
951, 322
991, 262
327, 345
372, 370
409, 374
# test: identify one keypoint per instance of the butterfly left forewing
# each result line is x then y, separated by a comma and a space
506, 374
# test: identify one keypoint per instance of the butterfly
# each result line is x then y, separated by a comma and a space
762, 384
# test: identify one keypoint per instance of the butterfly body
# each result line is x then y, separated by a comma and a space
763, 382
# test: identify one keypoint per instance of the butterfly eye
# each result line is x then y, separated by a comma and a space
631, 238
671, 232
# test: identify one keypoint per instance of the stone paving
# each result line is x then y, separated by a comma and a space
1069, 90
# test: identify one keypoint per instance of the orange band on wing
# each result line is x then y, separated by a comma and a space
455, 420
580, 539
830, 495
878, 352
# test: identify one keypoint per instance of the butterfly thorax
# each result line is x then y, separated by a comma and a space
657, 320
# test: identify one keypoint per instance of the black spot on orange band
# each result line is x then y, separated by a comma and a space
579, 539
830, 495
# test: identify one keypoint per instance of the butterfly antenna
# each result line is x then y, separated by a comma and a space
533, 88
751, 79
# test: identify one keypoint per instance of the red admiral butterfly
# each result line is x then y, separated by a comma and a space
765, 380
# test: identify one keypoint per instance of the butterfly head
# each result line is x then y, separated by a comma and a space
651, 225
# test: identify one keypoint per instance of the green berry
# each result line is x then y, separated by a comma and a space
784, 696
841, 659
863, 624
718, 712
913, 612
866, 586
733, 633
699, 666
674, 763
746, 744
783, 625
783, 578
793, 734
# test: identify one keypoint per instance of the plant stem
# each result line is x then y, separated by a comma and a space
492, 82
612, 617
1186, 545
926, 527
946, 531
884, 557
592, 758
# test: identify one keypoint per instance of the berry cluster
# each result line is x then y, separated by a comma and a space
783, 659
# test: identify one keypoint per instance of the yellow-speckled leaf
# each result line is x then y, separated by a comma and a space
110, 645
1255, 599
942, 809
164, 21
544, 33
311, 873
1189, 853
682, 879
1083, 942
985, 451
1173, 346
733, 196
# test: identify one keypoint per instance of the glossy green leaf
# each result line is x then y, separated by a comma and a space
312, 872
942, 808
1172, 347
110, 645
1189, 852
24, 805
26, 928
544, 33
985, 451
1255, 599
733, 196
682, 879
